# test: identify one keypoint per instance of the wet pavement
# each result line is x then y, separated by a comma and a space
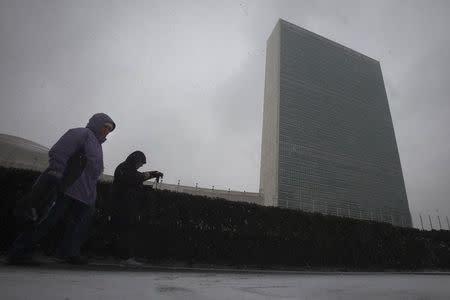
105, 283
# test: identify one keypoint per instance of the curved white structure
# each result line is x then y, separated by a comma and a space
21, 153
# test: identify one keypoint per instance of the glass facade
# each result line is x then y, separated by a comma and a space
337, 152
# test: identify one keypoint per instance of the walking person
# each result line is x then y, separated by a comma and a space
75, 165
128, 193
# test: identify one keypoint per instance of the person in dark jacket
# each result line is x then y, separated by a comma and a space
75, 164
128, 192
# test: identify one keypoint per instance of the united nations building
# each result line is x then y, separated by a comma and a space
328, 142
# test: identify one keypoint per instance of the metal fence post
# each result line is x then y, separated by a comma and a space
431, 225
421, 222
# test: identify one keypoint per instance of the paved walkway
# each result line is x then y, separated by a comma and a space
52, 281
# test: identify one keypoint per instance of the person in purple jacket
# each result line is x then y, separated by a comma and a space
75, 165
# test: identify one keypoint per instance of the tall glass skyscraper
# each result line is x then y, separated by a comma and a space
328, 142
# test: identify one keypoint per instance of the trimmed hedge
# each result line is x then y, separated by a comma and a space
195, 229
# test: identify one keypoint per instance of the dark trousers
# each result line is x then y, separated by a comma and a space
127, 237
77, 217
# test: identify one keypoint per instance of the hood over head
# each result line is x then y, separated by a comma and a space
136, 157
97, 121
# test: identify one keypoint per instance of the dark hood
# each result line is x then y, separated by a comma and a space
136, 157
97, 121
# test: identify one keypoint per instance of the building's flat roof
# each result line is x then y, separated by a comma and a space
284, 22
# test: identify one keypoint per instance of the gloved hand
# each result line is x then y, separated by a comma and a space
158, 175
154, 174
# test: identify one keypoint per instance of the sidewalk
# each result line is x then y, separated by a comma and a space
109, 281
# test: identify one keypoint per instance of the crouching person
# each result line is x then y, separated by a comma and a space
75, 164
128, 193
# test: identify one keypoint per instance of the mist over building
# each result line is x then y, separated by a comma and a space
328, 142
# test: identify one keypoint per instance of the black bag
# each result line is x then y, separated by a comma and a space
36, 204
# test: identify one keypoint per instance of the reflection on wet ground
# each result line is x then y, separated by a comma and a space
48, 284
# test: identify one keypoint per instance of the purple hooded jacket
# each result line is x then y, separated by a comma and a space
84, 188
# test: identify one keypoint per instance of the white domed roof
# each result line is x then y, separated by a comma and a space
21, 153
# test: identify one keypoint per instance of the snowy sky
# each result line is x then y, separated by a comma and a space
184, 80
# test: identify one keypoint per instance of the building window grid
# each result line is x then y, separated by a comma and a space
334, 175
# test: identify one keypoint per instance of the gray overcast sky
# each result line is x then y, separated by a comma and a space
184, 80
